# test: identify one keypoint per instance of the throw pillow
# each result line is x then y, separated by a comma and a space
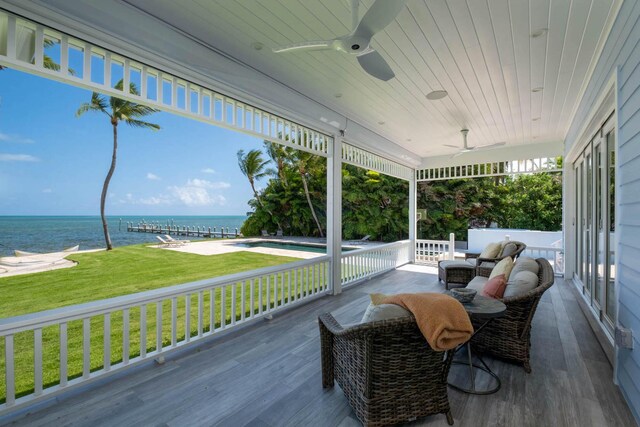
525, 263
521, 283
504, 267
376, 299
384, 312
509, 249
491, 250
495, 287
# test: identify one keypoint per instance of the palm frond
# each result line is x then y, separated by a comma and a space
142, 124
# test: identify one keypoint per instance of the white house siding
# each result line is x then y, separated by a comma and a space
621, 54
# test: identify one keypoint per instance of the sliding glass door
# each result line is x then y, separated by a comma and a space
595, 223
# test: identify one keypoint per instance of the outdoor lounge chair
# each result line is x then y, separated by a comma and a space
279, 233
509, 337
265, 233
168, 238
485, 265
386, 369
167, 243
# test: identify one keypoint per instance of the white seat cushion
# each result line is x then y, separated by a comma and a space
521, 283
384, 312
477, 283
525, 263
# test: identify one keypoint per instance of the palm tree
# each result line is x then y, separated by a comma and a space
118, 110
254, 167
304, 161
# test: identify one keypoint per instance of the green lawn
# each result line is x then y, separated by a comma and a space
122, 271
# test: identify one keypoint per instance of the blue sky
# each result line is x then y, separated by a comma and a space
52, 163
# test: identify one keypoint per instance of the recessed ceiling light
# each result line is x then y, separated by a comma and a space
338, 95
380, 122
257, 45
539, 33
537, 89
437, 94
535, 119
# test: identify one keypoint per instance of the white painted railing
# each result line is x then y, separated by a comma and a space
24, 45
554, 255
363, 263
50, 351
432, 251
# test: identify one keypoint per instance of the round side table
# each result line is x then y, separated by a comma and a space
485, 309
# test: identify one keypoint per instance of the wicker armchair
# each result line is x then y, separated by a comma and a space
386, 369
509, 337
485, 265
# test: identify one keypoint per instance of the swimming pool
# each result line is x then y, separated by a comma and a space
306, 247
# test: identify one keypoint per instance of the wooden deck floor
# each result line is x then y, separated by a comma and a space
269, 375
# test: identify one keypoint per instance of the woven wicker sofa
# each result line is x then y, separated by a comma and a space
509, 337
386, 369
485, 265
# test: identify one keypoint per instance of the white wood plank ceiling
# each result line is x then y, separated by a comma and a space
504, 83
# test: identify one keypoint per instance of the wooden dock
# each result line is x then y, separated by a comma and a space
187, 231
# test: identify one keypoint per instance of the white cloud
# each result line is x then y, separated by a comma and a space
15, 139
208, 170
155, 201
196, 192
18, 158
153, 176
47, 190
203, 183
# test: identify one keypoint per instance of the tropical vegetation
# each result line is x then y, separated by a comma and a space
295, 200
117, 110
531, 202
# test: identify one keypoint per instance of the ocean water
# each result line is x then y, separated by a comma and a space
54, 233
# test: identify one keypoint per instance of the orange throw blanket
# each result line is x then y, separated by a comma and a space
442, 319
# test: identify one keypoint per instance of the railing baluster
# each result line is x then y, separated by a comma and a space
63, 355
187, 317
106, 353
143, 331
125, 336
212, 310
86, 347
9, 370
159, 327
37, 361
252, 298
174, 321
244, 302
223, 307
260, 295
200, 312
295, 283
234, 292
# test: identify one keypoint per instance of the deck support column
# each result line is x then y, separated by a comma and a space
334, 213
413, 217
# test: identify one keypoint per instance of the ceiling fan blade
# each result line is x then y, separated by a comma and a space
379, 15
373, 63
497, 144
306, 46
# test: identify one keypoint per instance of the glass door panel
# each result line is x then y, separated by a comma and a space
598, 225
610, 186
588, 217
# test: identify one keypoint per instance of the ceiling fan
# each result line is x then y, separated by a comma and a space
467, 149
358, 42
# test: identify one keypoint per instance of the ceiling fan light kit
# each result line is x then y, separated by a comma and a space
358, 42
